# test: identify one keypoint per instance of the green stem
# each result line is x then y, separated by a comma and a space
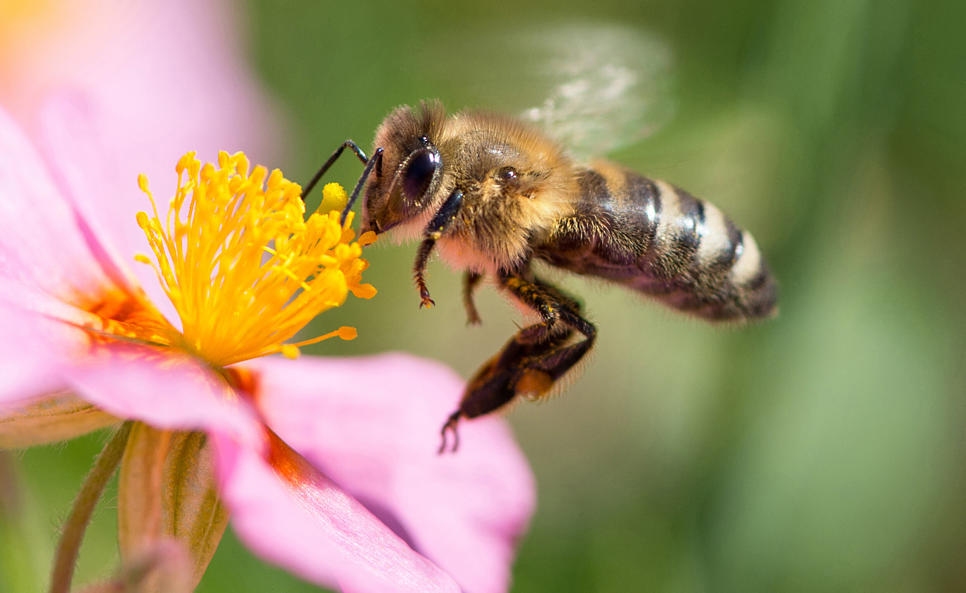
68, 547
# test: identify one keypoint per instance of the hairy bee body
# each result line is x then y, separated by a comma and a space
658, 239
494, 194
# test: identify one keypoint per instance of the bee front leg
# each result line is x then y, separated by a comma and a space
419, 270
434, 230
532, 361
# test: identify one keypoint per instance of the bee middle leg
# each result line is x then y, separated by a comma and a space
470, 281
532, 360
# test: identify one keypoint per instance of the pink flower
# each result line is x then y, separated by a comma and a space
326, 467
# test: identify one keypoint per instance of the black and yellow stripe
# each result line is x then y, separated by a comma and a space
660, 240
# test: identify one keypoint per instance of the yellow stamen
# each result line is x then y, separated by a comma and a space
333, 198
243, 266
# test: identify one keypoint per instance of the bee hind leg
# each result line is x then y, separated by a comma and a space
553, 353
532, 361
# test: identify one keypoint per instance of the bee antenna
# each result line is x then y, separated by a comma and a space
325, 166
375, 161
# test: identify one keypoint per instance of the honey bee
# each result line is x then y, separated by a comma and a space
494, 194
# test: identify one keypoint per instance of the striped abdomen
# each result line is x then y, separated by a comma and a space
658, 239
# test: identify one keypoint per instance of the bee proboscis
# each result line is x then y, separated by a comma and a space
494, 194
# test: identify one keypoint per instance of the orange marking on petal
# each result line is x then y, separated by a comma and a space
288, 463
243, 380
122, 315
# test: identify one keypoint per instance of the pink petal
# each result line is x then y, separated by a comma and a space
292, 515
46, 251
160, 79
87, 174
25, 358
163, 388
372, 426
166, 76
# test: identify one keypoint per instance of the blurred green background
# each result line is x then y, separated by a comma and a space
821, 451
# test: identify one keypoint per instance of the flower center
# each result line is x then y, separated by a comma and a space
243, 266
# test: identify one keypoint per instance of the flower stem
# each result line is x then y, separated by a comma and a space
68, 547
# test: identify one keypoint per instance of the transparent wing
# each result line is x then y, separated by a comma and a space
593, 87
613, 88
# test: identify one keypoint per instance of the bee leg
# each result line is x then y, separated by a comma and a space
470, 281
533, 360
492, 386
552, 354
419, 271
434, 230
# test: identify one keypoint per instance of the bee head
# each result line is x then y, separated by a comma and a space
403, 184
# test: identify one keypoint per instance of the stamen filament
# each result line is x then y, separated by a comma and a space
244, 267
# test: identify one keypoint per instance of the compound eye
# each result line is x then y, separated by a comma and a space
419, 173
507, 174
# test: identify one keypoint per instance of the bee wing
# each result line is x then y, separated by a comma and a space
593, 87
609, 87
